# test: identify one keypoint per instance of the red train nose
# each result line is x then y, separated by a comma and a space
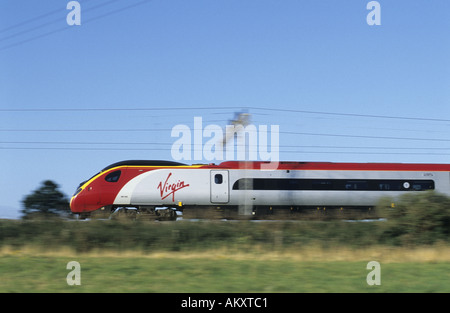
86, 200
76, 204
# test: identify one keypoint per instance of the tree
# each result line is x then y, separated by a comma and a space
46, 201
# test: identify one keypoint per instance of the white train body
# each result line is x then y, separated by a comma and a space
232, 184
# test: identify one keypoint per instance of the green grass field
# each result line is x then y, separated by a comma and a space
219, 273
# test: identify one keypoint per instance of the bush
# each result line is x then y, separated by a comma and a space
422, 218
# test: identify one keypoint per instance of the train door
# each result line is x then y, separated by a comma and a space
219, 186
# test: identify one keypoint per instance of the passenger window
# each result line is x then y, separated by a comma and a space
113, 177
218, 179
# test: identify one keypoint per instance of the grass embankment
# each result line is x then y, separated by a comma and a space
238, 256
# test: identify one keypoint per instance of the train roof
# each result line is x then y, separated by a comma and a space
293, 165
282, 165
143, 163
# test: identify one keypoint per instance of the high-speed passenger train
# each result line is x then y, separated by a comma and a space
234, 187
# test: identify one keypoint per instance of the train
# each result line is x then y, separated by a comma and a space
233, 189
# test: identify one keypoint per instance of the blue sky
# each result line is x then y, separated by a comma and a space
315, 68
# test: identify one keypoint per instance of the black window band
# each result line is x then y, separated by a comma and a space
332, 184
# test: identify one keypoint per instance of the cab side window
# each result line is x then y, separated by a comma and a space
113, 177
